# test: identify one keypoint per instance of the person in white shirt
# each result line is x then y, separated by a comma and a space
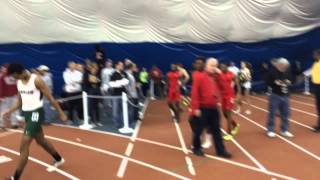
133, 93
245, 77
234, 69
73, 80
46, 76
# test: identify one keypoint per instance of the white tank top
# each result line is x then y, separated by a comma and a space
31, 96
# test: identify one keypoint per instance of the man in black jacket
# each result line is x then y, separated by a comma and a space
118, 83
279, 79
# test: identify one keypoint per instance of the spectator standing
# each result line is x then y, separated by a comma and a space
118, 83
46, 76
91, 85
279, 79
315, 75
8, 96
73, 87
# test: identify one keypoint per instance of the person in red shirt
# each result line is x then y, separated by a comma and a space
156, 82
205, 93
174, 94
228, 80
8, 96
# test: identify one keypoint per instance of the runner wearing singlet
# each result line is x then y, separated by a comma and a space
32, 89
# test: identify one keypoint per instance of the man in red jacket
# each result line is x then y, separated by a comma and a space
205, 94
8, 96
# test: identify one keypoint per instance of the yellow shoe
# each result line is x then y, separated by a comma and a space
235, 130
228, 137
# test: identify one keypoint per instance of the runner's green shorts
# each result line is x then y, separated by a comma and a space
34, 120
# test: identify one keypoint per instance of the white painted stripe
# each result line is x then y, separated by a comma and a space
284, 139
292, 108
299, 102
234, 163
190, 166
4, 134
4, 159
254, 160
69, 176
182, 143
122, 168
291, 120
184, 147
136, 131
249, 167
129, 149
124, 162
208, 156
310, 97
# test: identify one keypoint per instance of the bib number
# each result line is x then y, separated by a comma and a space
35, 117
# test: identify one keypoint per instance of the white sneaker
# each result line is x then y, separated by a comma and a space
248, 112
207, 142
271, 134
59, 163
287, 134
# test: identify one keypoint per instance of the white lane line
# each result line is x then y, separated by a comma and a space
69, 176
254, 160
4, 159
189, 163
299, 102
124, 162
4, 134
234, 163
311, 97
284, 139
292, 108
296, 122
291, 120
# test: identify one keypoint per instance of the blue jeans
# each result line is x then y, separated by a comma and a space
49, 113
280, 103
117, 116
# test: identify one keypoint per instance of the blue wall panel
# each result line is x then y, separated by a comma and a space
56, 55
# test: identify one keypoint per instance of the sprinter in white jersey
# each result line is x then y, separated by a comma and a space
31, 91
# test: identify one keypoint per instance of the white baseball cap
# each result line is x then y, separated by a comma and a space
43, 68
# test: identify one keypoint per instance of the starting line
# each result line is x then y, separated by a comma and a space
4, 159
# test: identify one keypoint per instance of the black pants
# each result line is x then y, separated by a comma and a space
317, 96
209, 119
94, 112
72, 105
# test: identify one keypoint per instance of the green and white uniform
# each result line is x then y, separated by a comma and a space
32, 106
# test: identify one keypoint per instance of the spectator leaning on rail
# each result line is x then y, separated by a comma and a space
105, 78
46, 76
73, 79
133, 94
279, 79
8, 96
204, 109
315, 75
118, 82
91, 85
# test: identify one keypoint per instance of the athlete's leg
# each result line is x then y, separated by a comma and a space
24, 154
46, 145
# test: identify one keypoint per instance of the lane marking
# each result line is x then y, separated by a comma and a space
284, 139
69, 176
234, 163
124, 162
4, 134
296, 122
292, 108
4, 159
254, 160
189, 163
